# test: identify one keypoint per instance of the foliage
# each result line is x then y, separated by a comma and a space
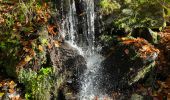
37, 84
41, 85
19, 38
108, 6
9, 47
135, 13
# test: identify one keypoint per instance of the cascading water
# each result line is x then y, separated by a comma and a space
91, 78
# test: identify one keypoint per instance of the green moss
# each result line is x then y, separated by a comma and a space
40, 85
37, 84
108, 6
141, 73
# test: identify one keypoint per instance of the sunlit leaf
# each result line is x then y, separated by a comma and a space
57, 44
27, 58
40, 48
1, 94
11, 90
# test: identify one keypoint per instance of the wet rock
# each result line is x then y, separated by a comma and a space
71, 59
69, 64
129, 62
73, 64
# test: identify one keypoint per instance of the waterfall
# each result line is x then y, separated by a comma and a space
84, 42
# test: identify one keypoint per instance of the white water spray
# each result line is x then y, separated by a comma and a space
90, 79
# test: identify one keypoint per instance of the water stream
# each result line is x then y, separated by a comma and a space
85, 43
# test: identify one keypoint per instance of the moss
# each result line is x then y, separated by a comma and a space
108, 6
37, 84
141, 73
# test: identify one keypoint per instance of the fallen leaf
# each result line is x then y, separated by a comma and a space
32, 52
49, 46
12, 85
57, 44
11, 90
27, 58
40, 48
51, 30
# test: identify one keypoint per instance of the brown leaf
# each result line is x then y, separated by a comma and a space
49, 46
51, 30
57, 44
32, 52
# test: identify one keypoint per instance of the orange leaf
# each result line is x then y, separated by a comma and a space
12, 85
51, 30
11, 90
49, 46
40, 48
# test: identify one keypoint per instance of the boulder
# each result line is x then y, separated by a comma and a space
73, 65
129, 62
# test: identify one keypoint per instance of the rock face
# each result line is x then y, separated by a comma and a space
71, 59
73, 65
130, 60
70, 65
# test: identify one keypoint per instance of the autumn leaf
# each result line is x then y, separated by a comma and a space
47, 15
51, 30
12, 85
26, 49
49, 46
27, 58
32, 52
40, 48
11, 90
57, 44
39, 11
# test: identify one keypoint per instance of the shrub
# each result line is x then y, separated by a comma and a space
37, 84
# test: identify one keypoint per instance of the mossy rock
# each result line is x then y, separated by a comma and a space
129, 62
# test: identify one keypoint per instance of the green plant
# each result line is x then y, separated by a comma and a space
37, 84
108, 6
20, 23
133, 13
40, 85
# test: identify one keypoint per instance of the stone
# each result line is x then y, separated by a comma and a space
129, 62
73, 64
